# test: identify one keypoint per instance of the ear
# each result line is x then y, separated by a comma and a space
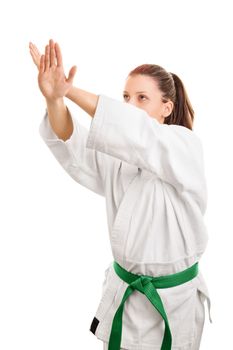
168, 107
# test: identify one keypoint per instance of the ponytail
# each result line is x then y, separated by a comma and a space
182, 113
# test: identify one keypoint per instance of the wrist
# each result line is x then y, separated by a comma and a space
55, 102
70, 92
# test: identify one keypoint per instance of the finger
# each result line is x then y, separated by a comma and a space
35, 49
52, 53
32, 46
47, 59
72, 73
34, 55
32, 49
42, 64
34, 59
58, 55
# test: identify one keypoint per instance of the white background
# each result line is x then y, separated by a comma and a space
54, 244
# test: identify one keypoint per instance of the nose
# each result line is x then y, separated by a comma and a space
132, 101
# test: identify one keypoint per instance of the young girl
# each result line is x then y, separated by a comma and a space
142, 155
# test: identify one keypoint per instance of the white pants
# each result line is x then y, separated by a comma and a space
199, 320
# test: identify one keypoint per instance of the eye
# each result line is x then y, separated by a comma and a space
142, 96
125, 96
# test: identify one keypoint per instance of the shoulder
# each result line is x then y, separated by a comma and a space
185, 133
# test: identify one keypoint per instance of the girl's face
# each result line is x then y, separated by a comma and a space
143, 92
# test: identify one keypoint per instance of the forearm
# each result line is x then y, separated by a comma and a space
59, 118
84, 99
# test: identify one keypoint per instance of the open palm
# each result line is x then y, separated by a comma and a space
51, 78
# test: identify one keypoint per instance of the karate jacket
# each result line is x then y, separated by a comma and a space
152, 177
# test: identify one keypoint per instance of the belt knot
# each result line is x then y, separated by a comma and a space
141, 282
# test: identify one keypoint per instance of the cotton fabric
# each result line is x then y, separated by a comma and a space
152, 178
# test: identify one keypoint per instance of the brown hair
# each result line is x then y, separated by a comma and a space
172, 89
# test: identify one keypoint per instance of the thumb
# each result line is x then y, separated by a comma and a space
72, 73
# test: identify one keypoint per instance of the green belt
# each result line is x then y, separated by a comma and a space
147, 285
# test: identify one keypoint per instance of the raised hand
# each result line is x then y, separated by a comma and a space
51, 78
35, 53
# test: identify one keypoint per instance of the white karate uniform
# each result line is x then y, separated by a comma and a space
152, 177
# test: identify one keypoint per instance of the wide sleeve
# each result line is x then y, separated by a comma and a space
172, 152
85, 166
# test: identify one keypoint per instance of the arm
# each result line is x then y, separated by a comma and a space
84, 99
126, 132
85, 166
59, 118
171, 152
63, 134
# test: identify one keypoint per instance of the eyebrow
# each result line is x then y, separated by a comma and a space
138, 92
